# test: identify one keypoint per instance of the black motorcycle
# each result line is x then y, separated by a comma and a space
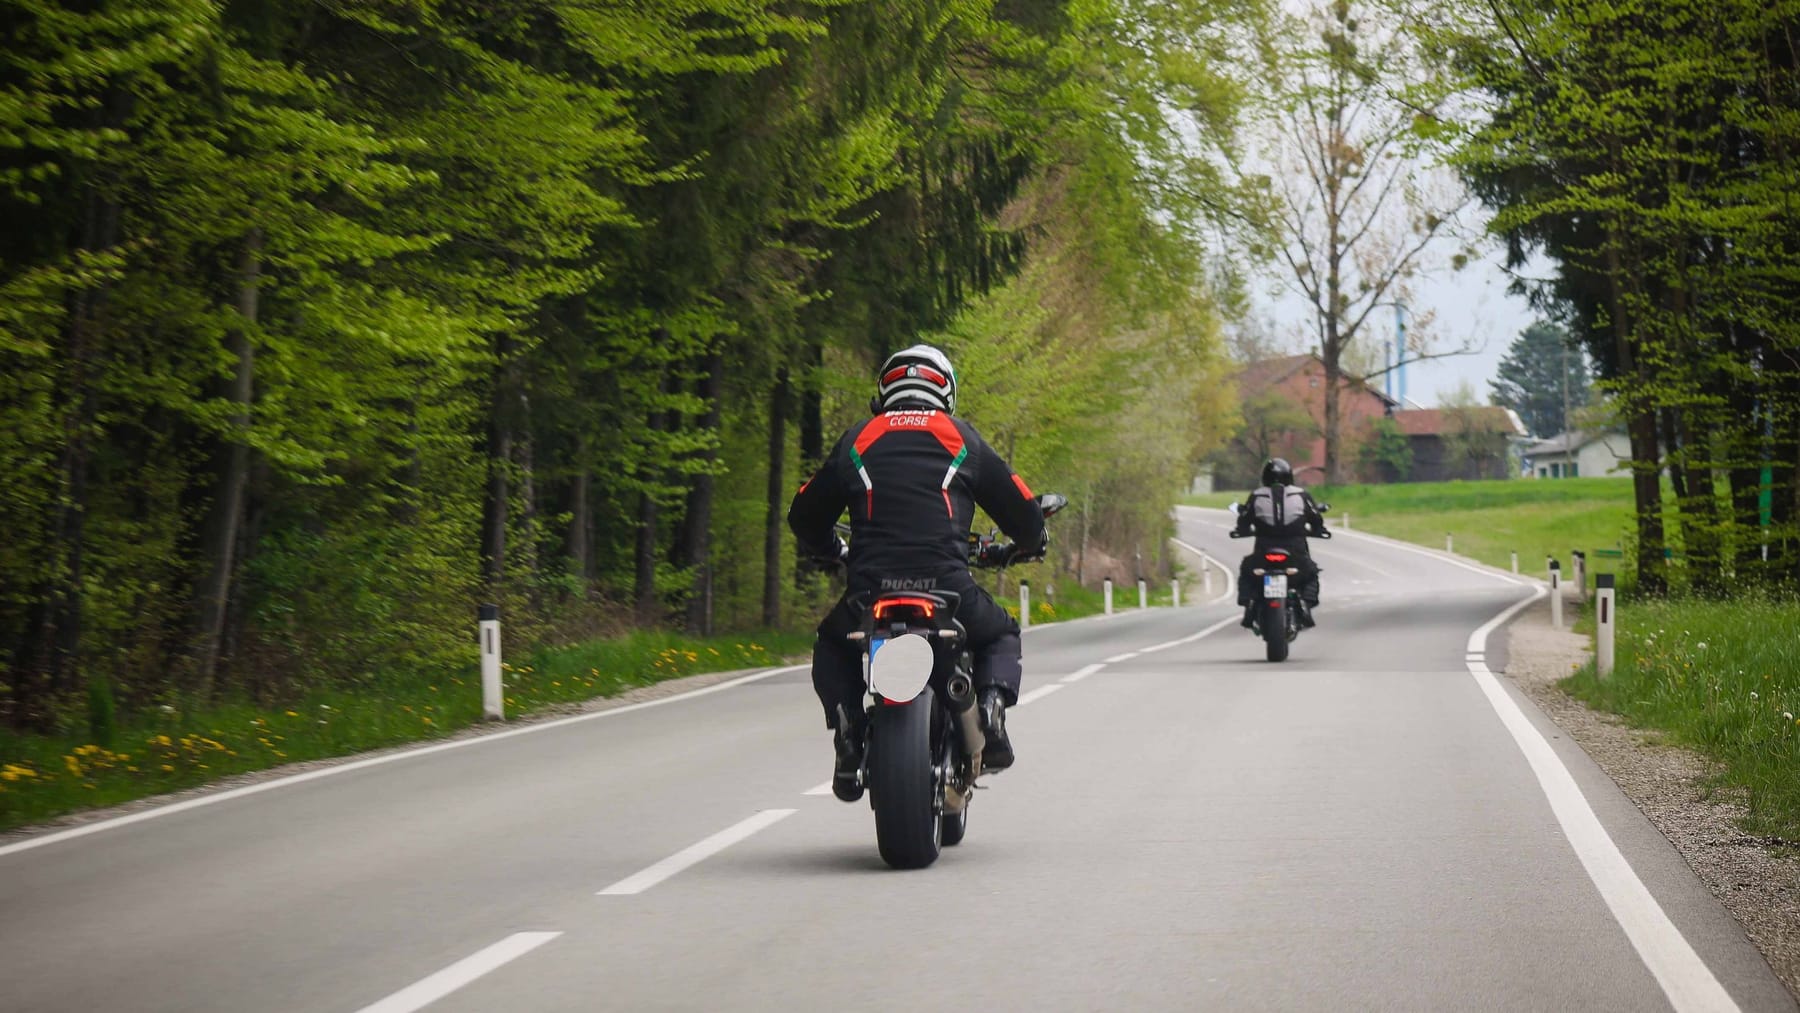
922, 755
1277, 618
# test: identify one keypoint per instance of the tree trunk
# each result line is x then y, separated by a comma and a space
219, 539
1699, 515
1333, 378
1749, 453
644, 582
45, 659
776, 515
497, 511
579, 543
812, 407
1640, 428
698, 520
528, 518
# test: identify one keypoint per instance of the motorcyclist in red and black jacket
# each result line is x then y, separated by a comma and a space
911, 478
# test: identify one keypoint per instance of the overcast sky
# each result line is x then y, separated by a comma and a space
1472, 307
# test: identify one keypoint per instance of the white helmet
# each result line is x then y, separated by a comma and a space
919, 375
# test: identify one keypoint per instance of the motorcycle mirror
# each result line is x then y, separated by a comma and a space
1324, 508
1051, 502
1233, 507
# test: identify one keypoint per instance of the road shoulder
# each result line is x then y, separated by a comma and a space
1675, 789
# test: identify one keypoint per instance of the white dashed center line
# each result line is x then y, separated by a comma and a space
696, 853
1082, 673
429, 990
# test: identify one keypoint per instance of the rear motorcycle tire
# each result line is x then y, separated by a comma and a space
1275, 632
901, 784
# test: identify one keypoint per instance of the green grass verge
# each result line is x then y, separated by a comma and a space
1722, 678
1217, 500
1491, 520
167, 750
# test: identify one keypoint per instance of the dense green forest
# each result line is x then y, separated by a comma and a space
322, 322
1648, 149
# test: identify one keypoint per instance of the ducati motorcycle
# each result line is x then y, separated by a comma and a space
922, 753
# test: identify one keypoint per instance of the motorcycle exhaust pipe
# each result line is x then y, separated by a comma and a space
959, 693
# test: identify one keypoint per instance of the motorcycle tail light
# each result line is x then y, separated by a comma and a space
925, 606
1275, 557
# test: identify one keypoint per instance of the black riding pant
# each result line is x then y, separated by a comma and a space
1250, 585
993, 640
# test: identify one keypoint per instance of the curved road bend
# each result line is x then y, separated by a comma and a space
1190, 827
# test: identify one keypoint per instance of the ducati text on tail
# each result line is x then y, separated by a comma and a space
923, 753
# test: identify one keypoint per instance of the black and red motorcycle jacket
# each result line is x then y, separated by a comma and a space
911, 480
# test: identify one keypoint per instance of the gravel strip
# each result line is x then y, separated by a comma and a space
638, 694
1754, 878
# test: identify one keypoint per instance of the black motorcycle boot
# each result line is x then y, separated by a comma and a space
998, 754
847, 741
1249, 622
1306, 619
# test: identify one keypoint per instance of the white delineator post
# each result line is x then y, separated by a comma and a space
1345, 523
1175, 591
1024, 605
493, 705
1449, 543
1206, 565
1515, 561
1605, 617
1579, 558
1556, 594
1143, 594
1106, 588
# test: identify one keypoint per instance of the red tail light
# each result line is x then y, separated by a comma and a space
1275, 557
925, 606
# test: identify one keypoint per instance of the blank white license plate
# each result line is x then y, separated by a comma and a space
1275, 585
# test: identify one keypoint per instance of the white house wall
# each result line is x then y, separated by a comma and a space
1609, 455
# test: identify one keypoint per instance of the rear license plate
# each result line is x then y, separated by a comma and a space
1275, 585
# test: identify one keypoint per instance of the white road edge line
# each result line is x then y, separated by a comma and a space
1230, 579
1127, 656
1209, 631
1082, 673
818, 789
1684, 977
694, 854
426, 991
1037, 694
374, 761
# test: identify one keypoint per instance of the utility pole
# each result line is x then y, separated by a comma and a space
1565, 390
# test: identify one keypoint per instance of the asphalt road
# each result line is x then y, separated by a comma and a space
1189, 827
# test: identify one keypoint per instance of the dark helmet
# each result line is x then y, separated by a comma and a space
1278, 472
920, 375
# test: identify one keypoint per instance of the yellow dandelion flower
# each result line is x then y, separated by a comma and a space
291, 714
167, 769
